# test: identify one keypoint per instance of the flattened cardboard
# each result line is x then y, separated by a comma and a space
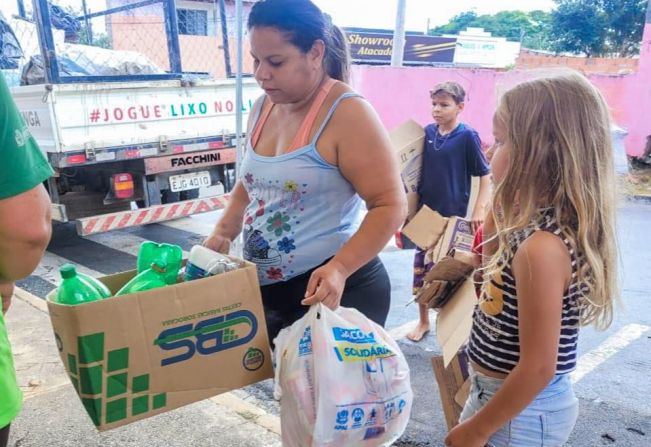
426, 228
412, 204
462, 395
454, 320
443, 280
453, 385
408, 140
458, 235
134, 356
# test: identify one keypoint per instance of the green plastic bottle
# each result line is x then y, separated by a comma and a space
74, 290
152, 278
97, 284
169, 253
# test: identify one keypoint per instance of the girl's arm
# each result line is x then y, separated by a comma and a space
542, 270
366, 159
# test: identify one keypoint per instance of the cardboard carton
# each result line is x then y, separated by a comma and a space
408, 140
454, 386
443, 280
134, 356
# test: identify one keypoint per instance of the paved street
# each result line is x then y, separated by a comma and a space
612, 380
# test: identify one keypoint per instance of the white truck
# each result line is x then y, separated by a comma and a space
153, 143
127, 149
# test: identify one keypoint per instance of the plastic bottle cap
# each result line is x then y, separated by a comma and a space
159, 265
68, 271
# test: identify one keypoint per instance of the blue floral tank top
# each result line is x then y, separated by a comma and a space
301, 210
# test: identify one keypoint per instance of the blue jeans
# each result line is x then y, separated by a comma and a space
546, 422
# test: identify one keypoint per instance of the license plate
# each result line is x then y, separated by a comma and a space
192, 180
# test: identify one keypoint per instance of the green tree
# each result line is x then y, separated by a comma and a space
626, 25
457, 23
579, 26
530, 28
598, 27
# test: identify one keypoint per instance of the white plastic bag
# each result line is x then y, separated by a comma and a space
342, 381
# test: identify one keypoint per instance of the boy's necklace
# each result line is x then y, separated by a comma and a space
438, 147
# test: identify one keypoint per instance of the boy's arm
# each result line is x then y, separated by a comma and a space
479, 210
478, 167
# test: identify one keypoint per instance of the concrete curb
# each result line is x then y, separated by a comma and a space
30, 299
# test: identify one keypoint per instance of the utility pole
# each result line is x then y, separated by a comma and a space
399, 35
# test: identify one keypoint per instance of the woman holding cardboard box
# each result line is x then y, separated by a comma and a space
316, 153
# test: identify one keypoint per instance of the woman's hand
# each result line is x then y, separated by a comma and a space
6, 292
326, 285
466, 435
218, 243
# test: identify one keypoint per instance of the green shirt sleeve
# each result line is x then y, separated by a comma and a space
22, 164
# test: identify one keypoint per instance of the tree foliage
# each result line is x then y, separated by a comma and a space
530, 28
590, 27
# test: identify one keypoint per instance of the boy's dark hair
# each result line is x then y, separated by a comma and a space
449, 88
304, 23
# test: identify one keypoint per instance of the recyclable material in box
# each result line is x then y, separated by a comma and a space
134, 356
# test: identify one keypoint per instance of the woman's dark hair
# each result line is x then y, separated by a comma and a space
304, 24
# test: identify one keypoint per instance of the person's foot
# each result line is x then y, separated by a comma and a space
418, 332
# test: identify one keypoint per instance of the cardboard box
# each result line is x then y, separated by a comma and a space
437, 234
454, 386
134, 356
408, 140
454, 320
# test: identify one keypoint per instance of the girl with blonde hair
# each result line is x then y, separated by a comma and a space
552, 265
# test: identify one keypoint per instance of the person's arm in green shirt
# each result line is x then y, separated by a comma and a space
24, 204
25, 231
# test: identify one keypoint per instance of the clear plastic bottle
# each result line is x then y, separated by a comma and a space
73, 289
152, 278
204, 262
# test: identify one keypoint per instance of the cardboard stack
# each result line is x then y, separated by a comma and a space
448, 287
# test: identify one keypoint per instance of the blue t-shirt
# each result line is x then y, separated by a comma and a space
449, 162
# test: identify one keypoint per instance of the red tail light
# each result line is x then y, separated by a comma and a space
123, 185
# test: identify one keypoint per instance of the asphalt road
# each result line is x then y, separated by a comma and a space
613, 380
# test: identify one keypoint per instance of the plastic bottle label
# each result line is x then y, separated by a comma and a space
194, 272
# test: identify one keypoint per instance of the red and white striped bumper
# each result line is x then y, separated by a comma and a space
153, 214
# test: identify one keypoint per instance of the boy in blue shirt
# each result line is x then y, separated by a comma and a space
451, 157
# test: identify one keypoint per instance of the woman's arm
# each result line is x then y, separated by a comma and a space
542, 271
366, 159
229, 225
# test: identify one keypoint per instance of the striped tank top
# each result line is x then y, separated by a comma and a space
495, 339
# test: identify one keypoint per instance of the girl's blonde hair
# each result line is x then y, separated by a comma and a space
558, 129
